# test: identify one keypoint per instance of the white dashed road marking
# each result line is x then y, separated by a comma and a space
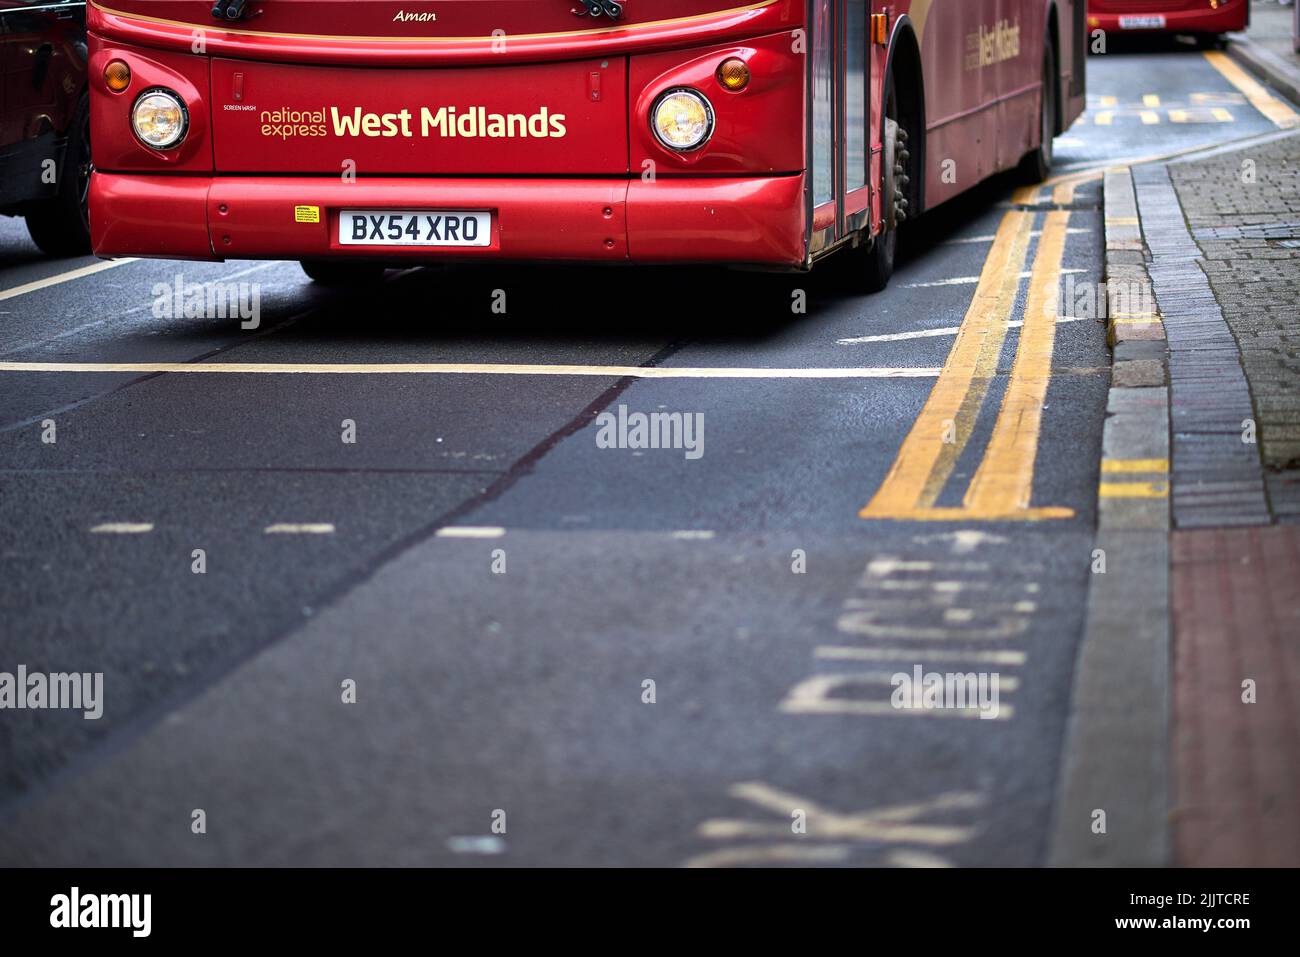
928, 333
470, 531
123, 528
969, 280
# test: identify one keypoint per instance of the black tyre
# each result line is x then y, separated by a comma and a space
61, 226
875, 260
1037, 164
342, 272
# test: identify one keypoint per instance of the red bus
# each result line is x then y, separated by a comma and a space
1208, 19
357, 135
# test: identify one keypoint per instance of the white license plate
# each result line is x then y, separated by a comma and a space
414, 227
1155, 21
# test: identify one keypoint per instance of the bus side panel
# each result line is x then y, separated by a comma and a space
961, 129
1072, 16
983, 66
1019, 77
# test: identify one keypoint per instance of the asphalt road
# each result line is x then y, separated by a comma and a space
500, 588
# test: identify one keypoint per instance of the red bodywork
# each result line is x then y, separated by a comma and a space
1172, 16
333, 104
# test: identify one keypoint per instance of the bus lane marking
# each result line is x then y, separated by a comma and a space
906, 613
855, 653
831, 836
909, 832
821, 694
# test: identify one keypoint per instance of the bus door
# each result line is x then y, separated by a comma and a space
839, 114
856, 152
1074, 56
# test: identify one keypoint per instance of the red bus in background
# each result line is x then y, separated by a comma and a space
357, 135
1208, 19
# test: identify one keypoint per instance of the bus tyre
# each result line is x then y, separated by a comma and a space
1037, 164
61, 225
342, 273
878, 257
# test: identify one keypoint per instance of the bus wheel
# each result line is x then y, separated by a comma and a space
337, 272
1037, 164
878, 258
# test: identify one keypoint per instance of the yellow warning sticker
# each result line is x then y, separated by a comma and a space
306, 214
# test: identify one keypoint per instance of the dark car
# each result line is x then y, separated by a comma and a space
44, 121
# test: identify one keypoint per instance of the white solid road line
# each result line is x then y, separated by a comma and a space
62, 277
311, 528
470, 531
450, 368
928, 333
970, 240
123, 528
694, 535
971, 280
899, 336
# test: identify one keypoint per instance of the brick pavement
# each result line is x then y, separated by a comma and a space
1215, 476
1248, 232
1236, 764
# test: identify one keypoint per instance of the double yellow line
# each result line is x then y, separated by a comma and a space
1277, 111
1003, 484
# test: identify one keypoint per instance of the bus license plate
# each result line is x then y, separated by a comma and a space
423, 227
1152, 22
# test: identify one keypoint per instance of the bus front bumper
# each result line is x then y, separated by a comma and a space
736, 220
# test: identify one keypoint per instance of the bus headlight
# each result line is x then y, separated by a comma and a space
682, 119
160, 119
